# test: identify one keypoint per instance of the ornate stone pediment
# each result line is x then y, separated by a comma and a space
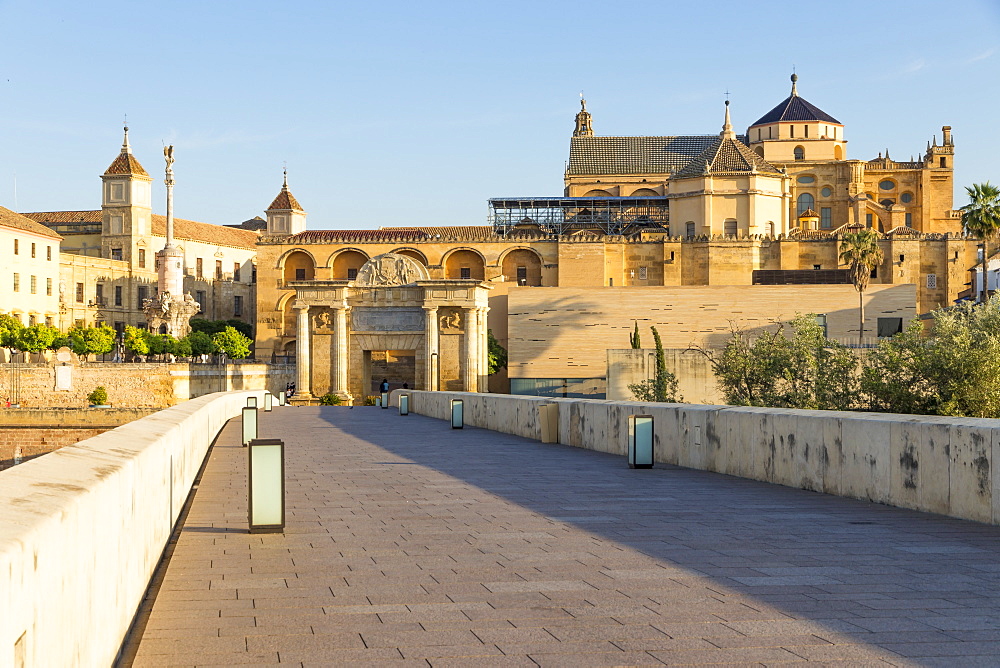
390, 269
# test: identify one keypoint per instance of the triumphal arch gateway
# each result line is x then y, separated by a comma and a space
394, 322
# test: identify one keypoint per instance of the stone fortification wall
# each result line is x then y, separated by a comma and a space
933, 464
136, 385
84, 527
29, 432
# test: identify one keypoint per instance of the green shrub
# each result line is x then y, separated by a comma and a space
99, 397
232, 343
330, 399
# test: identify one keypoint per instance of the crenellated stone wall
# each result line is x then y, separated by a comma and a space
933, 464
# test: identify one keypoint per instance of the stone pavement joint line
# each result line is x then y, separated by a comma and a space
409, 542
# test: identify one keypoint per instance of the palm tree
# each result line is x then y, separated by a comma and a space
861, 253
981, 219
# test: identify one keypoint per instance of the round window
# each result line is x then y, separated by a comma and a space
887, 185
906, 198
806, 179
826, 192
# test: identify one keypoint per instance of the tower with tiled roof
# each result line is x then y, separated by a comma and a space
797, 131
126, 208
728, 190
285, 215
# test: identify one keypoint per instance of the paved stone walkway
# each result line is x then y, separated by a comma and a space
408, 542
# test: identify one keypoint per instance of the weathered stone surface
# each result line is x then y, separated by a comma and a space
935, 464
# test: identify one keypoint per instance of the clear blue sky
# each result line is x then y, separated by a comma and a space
407, 113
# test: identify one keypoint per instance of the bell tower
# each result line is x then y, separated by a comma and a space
285, 215
584, 127
126, 206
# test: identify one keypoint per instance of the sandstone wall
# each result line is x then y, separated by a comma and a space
566, 332
695, 380
136, 385
933, 464
26, 433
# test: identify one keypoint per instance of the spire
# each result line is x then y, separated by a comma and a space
727, 126
795, 92
583, 121
285, 201
126, 148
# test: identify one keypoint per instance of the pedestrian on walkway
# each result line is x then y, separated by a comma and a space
384, 387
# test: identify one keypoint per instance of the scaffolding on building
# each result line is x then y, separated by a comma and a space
562, 215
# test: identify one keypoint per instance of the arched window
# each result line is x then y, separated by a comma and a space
347, 264
804, 203
838, 152
299, 267
645, 192
800, 153
769, 228
759, 150
465, 264
523, 267
597, 193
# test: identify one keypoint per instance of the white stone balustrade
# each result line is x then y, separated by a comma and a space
83, 528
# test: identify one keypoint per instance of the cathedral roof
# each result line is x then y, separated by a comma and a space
635, 155
15, 220
794, 108
190, 230
727, 155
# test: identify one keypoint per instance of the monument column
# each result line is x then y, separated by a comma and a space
303, 361
431, 348
340, 356
470, 348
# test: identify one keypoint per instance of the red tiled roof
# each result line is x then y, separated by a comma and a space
191, 230
13, 219
285, 200
126, 163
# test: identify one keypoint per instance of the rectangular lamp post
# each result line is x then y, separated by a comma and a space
457, 414
281, 398
404, 404
385, 400
640, 441
252, 402
249, 424
268, 401
266, 487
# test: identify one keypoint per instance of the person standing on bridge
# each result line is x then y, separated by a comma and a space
384, 387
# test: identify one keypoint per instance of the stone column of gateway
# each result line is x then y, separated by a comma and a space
484, 350
430, 348
302, 359
341, 349
470, 354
